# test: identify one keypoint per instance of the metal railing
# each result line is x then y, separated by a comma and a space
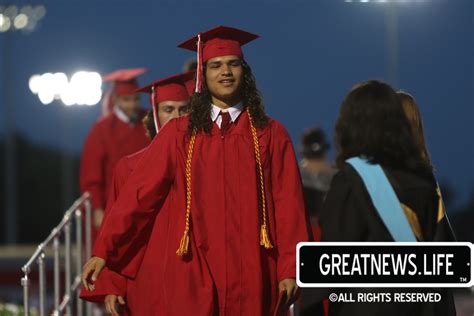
72, 286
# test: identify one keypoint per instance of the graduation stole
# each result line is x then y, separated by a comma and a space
384, 199
264, 234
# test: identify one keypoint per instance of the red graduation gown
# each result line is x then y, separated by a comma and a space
109, 140
111, 282
227, 272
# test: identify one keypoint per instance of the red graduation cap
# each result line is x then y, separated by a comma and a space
174, 88
219, 41
124, 82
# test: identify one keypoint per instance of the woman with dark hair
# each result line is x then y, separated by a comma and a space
222, 191
372, 127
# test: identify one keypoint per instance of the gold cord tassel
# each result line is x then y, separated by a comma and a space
264, 239
264, 234
184, 244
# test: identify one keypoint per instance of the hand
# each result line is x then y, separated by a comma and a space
111, 304
94, 266
289, 286
98, 216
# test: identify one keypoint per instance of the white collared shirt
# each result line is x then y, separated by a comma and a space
121, 115
234, 112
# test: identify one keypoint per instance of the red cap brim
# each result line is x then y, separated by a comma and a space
172, 88
124, 74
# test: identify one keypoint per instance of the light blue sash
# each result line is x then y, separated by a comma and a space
384, 199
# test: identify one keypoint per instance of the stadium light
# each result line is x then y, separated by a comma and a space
384, 1
84, 88
25, 18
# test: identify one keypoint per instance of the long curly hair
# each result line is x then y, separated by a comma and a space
200, 104
373, 124
149, 124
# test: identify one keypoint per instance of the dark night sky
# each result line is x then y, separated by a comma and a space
310, 54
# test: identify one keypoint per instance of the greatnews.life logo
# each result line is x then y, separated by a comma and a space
385, 264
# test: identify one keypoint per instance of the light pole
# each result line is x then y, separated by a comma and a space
10, 228
392, 43
391, 36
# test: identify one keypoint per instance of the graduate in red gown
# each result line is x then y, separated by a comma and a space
169, 99
209, 220
116, 135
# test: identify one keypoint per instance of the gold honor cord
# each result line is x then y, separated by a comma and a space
441, 209
413, 221
184, 244
264, 234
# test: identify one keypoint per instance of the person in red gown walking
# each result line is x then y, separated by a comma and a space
209, 220
116, 135
168, 98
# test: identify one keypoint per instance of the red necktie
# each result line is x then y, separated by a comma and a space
225, 122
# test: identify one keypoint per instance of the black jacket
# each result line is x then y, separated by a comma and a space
349, 215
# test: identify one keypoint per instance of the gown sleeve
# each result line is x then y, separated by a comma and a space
290, 215
127, 226
110, 282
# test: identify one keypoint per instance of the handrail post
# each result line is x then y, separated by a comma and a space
67, 279
56, 271
42, 285
78, 257
88, 208
25, 283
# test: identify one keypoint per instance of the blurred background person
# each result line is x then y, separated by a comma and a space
190, 65
372, 125
444, 231
117, 134
316, 173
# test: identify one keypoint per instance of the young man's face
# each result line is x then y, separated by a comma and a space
224, 77
168, 110
129, 104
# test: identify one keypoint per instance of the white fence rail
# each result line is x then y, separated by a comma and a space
63, 305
